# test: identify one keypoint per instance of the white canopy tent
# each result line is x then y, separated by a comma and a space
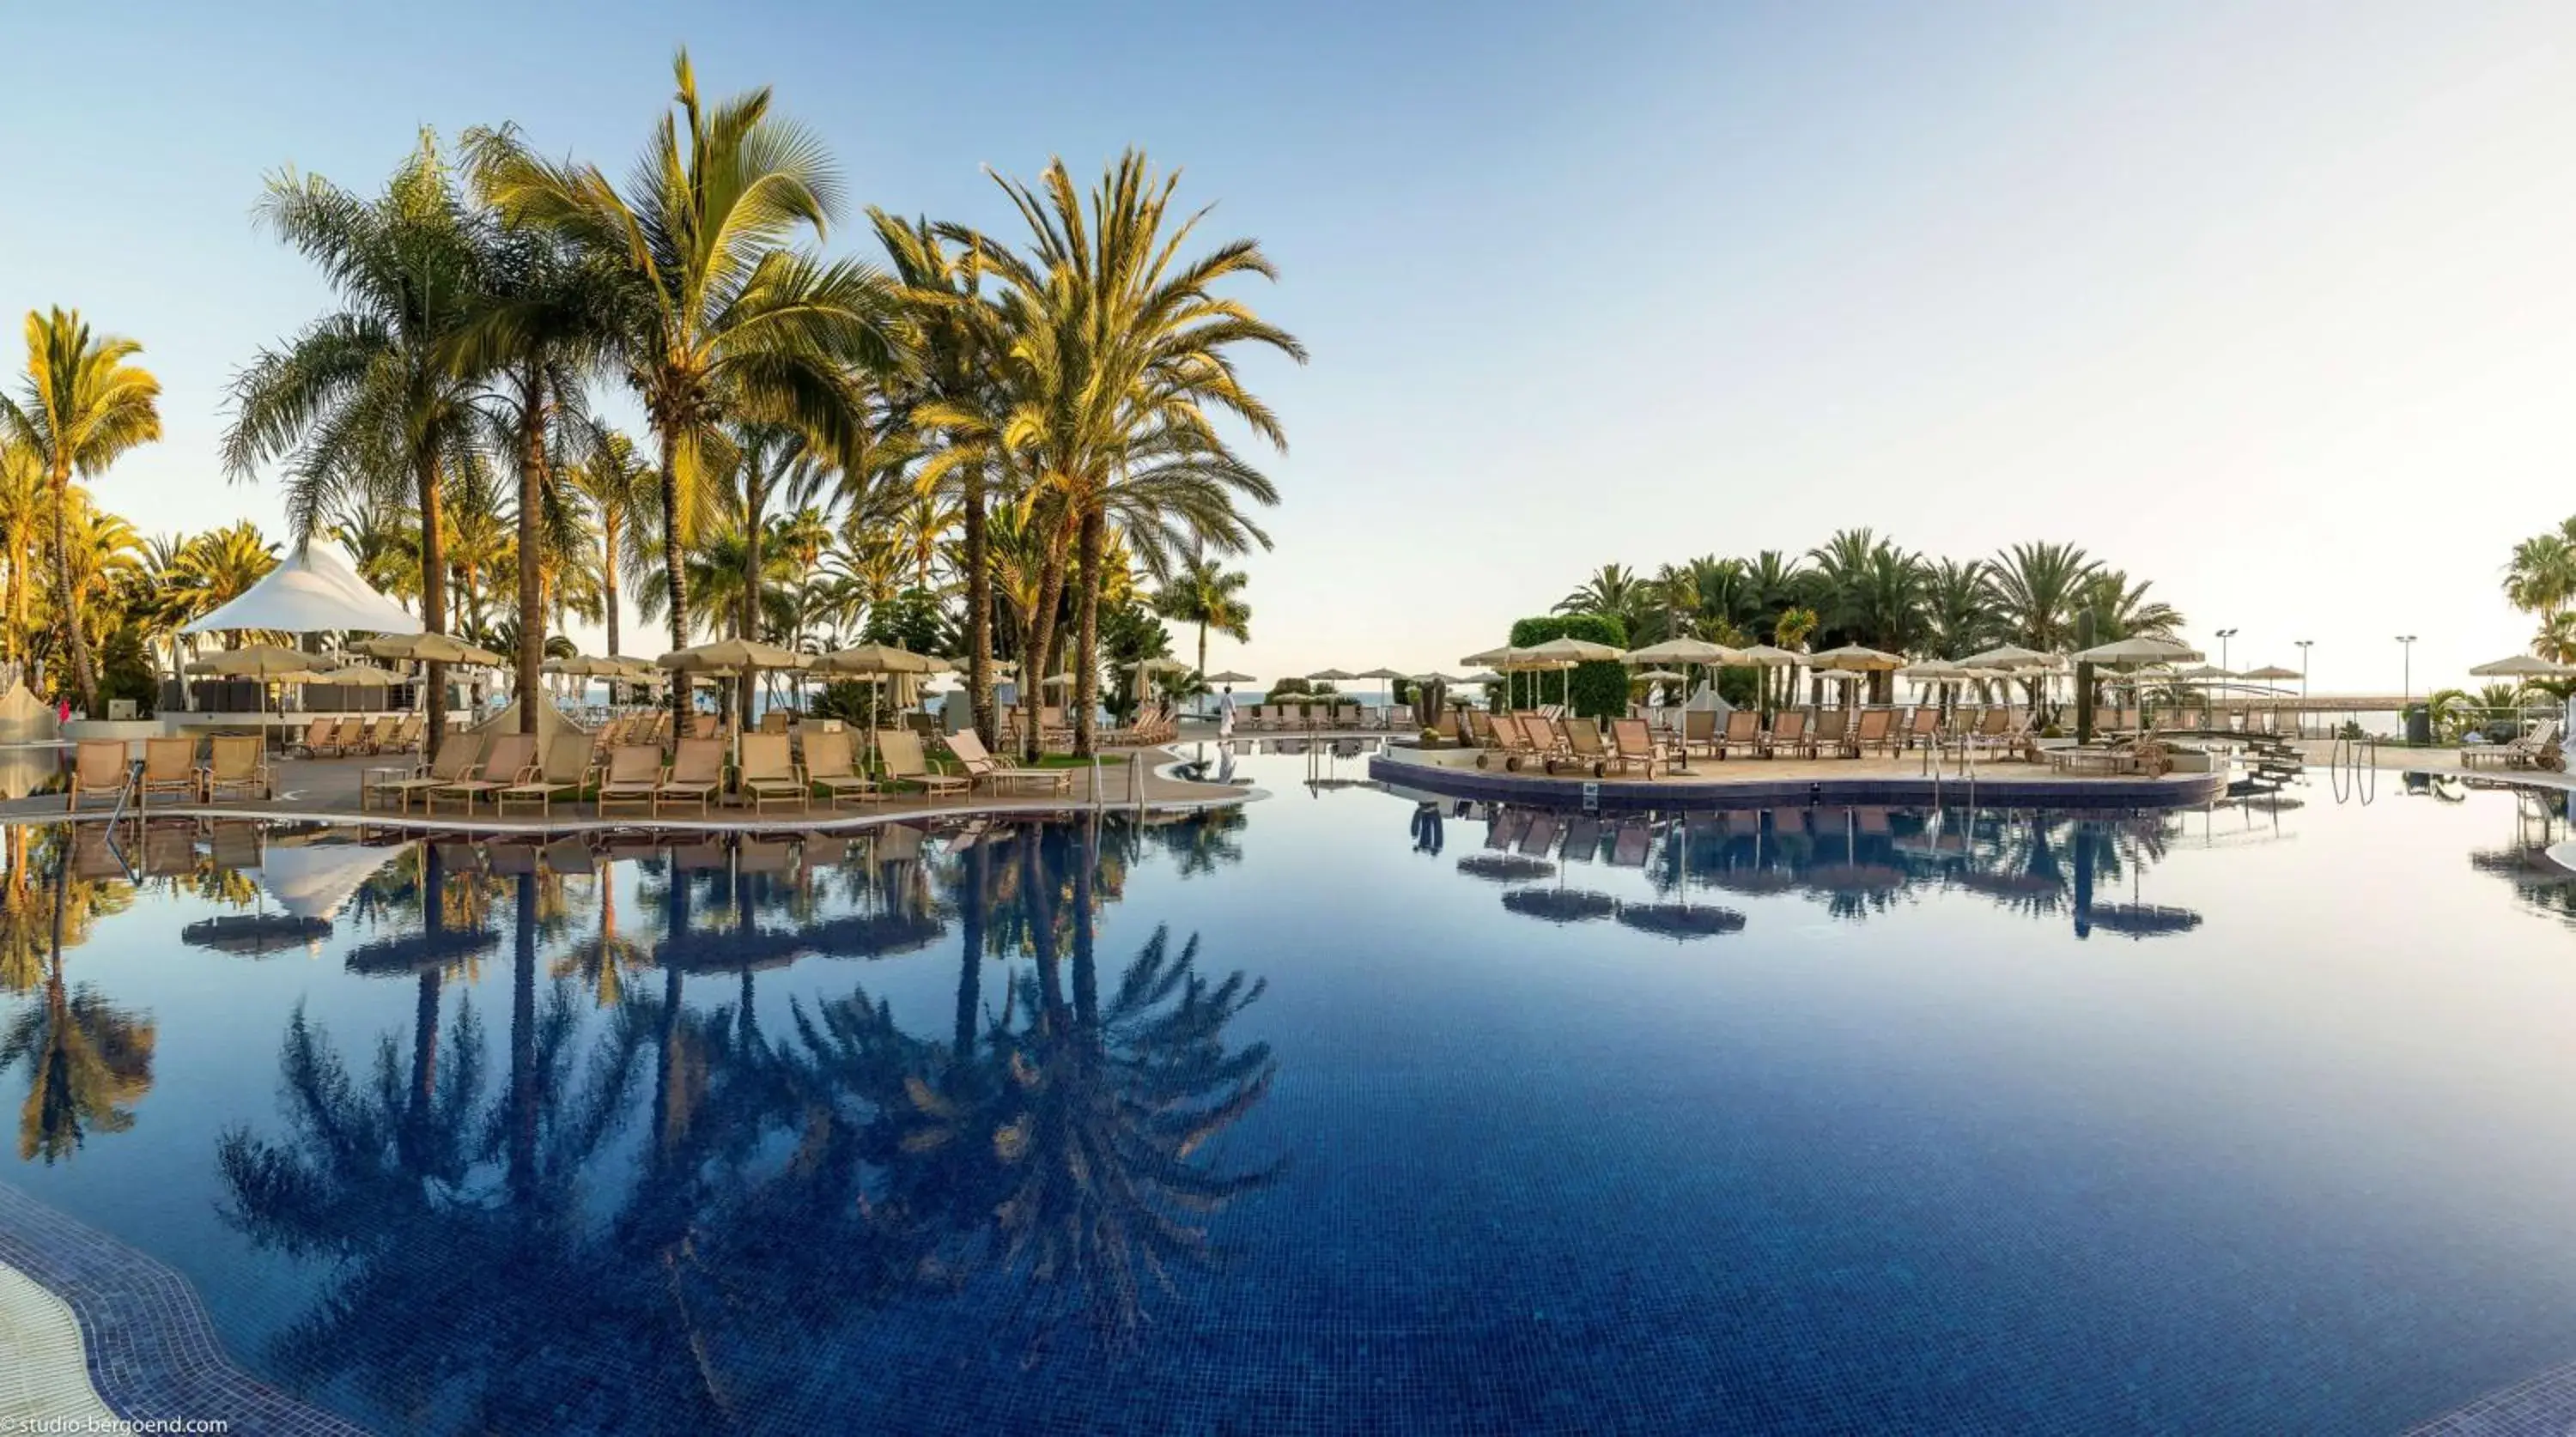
313, 590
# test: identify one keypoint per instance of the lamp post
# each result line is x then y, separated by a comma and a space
2406, 670
2303, 684
2223, 636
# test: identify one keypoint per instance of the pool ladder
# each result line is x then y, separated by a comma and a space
2356, 769
1965, 769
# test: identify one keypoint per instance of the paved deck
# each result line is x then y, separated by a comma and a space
327, 790
1743, 782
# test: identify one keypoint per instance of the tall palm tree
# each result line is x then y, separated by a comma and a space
615, 481
1119, 355
1958, 608
22, 528
1208, 594
2036, 592
1612, 589
2122, 610
719, 319
954, 335
2541, 578
366, 400
80, 407
542, 327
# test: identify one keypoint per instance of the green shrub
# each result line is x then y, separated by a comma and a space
125, 672
1597, 690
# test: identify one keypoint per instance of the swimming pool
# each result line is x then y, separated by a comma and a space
1337, 1112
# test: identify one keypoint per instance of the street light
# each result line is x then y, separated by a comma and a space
2303, 684
2406, 692
2223, 636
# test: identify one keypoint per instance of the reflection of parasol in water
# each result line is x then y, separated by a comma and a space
2008, 883
256, 935
1855, 878
1560, 905
2143, 920
1505, 867
1755, 881
1680, 921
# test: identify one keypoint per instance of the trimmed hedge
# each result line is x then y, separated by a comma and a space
1598, 690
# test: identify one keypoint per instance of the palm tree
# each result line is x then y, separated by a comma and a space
718, 319
542, 327
2541, 578
2556, 639
366, 400
2122, 610
2036, 592
772, 463
954, 335
22, 521
1209, 595
1958, 608
1119, 353
615, 481
80, 407
1612, 589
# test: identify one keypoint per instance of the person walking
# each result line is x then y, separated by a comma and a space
1225, 713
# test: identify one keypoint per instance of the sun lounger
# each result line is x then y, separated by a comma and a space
982, 767
2536, 749
1922, 727
512, 760
236, 763
1875, 729
767, 774
565, 770
773, 721
1789, 735
1743, 732
169, 769
317, 740
901, 751
1633, 745
456, 761
696, 774
1578, 747
829, 764
99, 769
634, 776
1831, 727
1699, 732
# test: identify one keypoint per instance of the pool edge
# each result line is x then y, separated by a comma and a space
148, 1344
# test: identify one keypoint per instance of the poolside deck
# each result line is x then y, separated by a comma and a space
1741, 782
328, 790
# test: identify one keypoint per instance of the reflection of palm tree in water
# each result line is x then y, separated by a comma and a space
88, 1063
779, 1194
1066, 1149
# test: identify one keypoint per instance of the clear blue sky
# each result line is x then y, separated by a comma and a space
2267, 303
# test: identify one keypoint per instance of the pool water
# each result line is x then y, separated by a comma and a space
1337, 1112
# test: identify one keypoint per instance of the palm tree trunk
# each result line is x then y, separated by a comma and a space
756, 495
1202, 653
532, 590
970, 971
979, 609
1040, 655
608, 571
67, 603
1086, 647
678, 581
433, 587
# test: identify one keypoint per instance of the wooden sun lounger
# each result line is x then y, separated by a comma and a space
169, 769
1789, 732
982, 767
1632, 745
634, 775
767, 774
566, 769
696, 774
237, 762
830, 764
511, 761
98, 771
901, 751
1743, 731
456, 760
